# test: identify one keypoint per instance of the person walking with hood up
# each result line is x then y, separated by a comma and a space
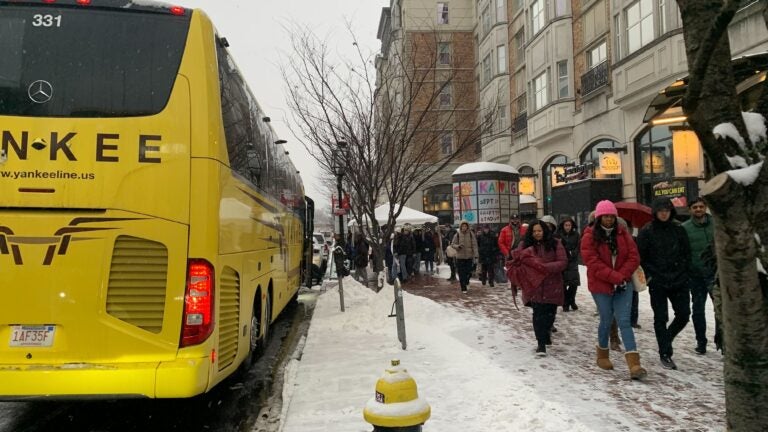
537, 266
467, 253
611, 257
665, 255
569, 235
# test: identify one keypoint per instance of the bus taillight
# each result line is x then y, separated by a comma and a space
197, 322
83, 2
177, 10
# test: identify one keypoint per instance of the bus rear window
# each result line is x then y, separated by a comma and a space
67, 62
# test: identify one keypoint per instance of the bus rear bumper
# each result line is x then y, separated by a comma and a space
173, 379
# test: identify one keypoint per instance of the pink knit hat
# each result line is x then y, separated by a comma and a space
605, 207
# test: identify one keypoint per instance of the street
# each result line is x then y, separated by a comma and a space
248, 402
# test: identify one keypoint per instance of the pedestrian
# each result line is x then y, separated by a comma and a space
701, 235
511, 235
467, 253
665, 255
569, 236
450, 233
537, 267
488, 244
428, 248
361, 251
551, 223
611, 257
390, 259
418, 246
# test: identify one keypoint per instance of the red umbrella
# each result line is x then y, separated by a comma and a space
634, 213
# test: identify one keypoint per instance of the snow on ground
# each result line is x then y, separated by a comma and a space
473, 359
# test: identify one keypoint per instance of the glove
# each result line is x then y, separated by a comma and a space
620, 287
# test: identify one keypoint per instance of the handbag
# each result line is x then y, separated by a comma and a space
451, 251
638, 280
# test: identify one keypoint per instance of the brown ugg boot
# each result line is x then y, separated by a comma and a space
603, 362
636, 371
614, 337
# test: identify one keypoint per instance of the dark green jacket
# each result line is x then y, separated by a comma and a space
700, 236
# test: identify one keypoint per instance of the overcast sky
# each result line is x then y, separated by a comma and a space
258, 42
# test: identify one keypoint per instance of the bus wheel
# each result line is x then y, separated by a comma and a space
260, 343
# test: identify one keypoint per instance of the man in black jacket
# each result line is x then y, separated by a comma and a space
666, 258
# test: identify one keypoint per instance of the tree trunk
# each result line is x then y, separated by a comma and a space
745, 311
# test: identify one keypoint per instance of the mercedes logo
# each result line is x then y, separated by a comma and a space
40, 91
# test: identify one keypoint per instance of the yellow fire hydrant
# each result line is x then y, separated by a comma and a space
396, 407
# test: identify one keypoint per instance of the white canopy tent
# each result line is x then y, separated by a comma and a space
407, 216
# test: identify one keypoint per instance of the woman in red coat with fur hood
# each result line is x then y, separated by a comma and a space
611, 257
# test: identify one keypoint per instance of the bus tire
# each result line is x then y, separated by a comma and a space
263, 341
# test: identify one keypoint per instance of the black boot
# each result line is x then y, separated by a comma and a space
541, 350
667, 362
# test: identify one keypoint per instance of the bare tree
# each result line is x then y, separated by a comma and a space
738, 198
394, 122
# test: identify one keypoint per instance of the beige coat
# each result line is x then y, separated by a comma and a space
468, 243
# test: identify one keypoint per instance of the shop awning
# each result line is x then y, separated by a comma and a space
672, 97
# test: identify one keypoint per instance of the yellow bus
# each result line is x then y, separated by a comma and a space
151, 224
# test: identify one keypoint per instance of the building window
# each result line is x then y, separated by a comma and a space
520, 47
442, 13
486, 20
522, 104
662, 16
502, 115
562, 79
519, 4
591, 157
446, 99
501, 11
546, 180
501, 58
561, 7
639, 18
597, 55
443, 53
486, 68
653, 160
446, 144
617, 25
540, 91
538, 16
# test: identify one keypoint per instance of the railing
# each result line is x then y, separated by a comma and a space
594, 79
520, 123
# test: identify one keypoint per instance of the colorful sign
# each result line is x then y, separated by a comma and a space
674, 190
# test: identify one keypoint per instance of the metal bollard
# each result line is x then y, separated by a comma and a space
396, 406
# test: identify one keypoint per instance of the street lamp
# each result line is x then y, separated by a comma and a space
338, 251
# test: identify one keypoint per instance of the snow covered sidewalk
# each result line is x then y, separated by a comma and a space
472, 358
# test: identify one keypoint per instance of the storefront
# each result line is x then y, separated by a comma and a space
669, 161
437, 202
578, 187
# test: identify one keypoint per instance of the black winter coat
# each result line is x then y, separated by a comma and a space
665, 254
571, 243
488, 247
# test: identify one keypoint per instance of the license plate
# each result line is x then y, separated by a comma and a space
32, 336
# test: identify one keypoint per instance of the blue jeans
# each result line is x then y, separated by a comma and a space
700, 288
619, 306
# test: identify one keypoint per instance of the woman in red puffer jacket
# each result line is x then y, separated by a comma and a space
611, 257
